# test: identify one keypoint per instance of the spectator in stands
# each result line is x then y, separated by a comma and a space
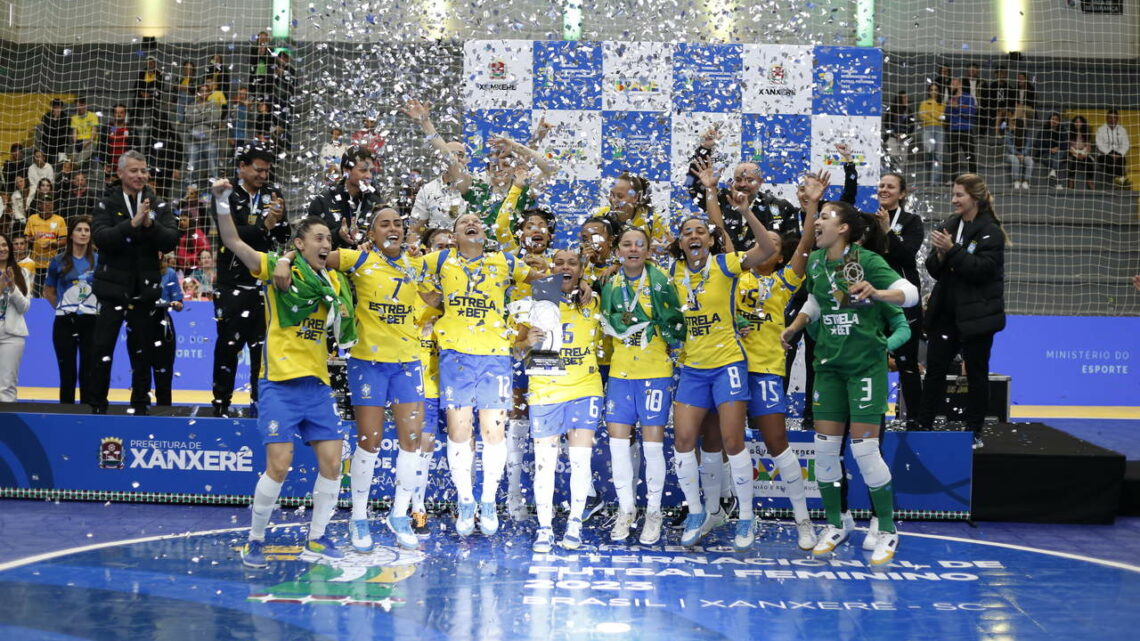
40, 169
186, 88
216, 95
284, 86
202, 120
149, 92
84, 132
166, 156
115, 138
1024, 98
63, 177
54, 133
79, 200
367, 136
331, 153
218, 72
8, 222
16, 165
943, 76
261, 61
1079, 159
205, 275
132, 228
1019, 153
258, 210
21, 198
264, 127
1112, 143
47, 233
191, 225
165, 338
347, 206
15, 299
972, 84
440, 202
23, 256
960, 112
997, 105
898, 127
241, 116
967, 306
68, 289
1051, 147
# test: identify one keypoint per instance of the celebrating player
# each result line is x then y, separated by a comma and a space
641, 309
295, 393
570, 404
852, 295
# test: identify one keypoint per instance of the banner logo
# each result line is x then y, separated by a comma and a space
497, 70
358, 579
777, 75
111, 453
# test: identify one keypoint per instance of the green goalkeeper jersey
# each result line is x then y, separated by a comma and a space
849, 337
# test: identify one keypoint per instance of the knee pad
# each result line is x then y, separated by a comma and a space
871, 464
827, 467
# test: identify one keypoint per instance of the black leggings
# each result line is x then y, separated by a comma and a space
162, 358
941, 346
73, 335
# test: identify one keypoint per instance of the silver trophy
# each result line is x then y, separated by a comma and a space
544, 358
853, 273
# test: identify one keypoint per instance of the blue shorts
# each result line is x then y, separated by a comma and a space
711, 388
470, 380
379, 384
433, 418
604, 370
557, 419
767, 392
520, 380
643, 401
298, 408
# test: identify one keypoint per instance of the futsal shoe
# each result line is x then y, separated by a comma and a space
253, 555
594, 504
572, 539
543, 540
829, 539
361, 535
651, 529
694, 528
745, 534
321, 548
871, 541
885, 548
420, 524
488, 518
622, 524
465, 520
401, 526
806, 538
730, 505
682, 515
714, 520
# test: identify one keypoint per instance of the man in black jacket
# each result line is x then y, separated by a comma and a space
347, 206
132, 229
258, 210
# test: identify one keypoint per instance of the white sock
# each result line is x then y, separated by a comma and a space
494, 462
623, 473
418, 492
740, 466
460, 460
635, 463
407, 478
545, 465
689, 478
793, 478
654, 474
710, 480
324, 504
726, 484
579, 479
361, 470
518, 433
264, 500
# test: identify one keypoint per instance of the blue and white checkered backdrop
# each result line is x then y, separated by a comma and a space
641, 107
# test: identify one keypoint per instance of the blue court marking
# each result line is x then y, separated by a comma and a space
193, 586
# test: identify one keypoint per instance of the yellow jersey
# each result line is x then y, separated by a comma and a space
643, 218
300, 350
591, 275
708, 299
629, 359
762, 300
386, 293
474, 300
44, 236
581, 332
85, 125
426, 316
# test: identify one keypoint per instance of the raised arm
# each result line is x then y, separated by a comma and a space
249, 256
810, 194
420, 112
708, 179
544, 165
764, 247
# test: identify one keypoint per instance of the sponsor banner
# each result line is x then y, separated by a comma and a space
499, 74
707, 78
860, 133
848, 81
637, 142
567, 75
222, 457
1070, 360
574, 142
780, 144
777, 79
637, 76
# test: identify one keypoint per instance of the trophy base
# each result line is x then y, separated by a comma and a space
545, 364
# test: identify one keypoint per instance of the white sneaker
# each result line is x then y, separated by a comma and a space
572, 539
872, 538
488, 518
1052, 173
361, 535
885, 548
806, 531
622, 524
543, 540
714, 520
848, 521
465, 520
829, 539
745, 534
651, 529
1025, 185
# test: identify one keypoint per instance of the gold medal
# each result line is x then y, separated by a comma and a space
627, 318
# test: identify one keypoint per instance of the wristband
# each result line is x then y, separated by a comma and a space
222, 203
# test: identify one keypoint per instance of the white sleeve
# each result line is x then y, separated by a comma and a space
1103, 144
420, 207
811, 308
1125, 143
910, 292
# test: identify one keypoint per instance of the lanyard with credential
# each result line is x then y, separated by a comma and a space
695, 292
138, 203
